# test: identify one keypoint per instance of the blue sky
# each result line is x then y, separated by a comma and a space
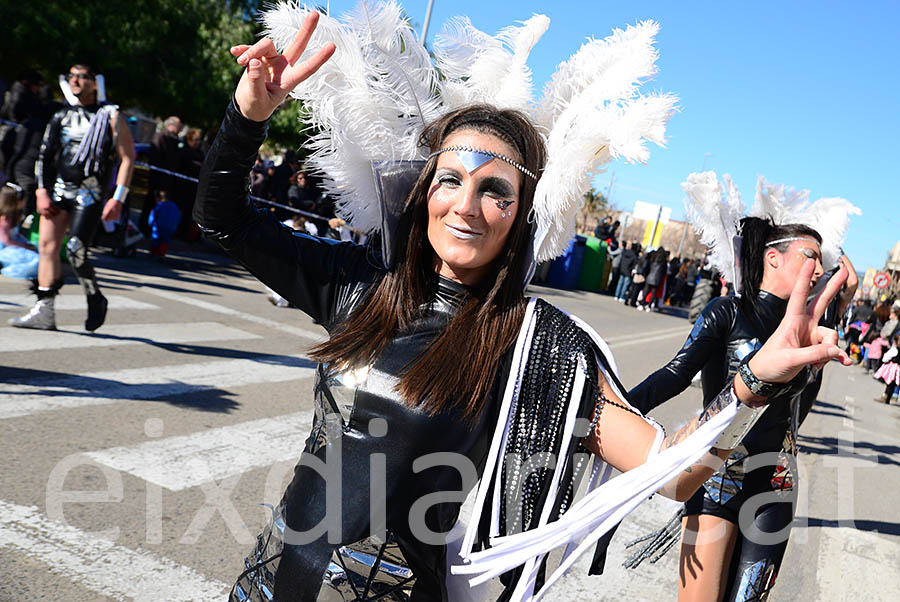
804, 93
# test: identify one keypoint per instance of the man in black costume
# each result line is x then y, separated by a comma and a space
72, 172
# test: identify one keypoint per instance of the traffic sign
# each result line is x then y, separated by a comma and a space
881, 280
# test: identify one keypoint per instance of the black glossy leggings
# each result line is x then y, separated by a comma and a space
758, 553
83, 222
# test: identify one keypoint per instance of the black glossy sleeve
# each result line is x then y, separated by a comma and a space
316, 275
708, 339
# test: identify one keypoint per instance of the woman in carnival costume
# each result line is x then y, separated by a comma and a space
727, 555
439, 376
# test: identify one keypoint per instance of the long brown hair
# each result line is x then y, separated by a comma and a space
459, 367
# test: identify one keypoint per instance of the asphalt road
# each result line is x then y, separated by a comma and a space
137, 459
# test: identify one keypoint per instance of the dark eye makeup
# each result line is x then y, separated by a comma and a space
811, 253
494, 187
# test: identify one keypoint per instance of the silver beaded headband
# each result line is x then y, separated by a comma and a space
790, 239
487, 156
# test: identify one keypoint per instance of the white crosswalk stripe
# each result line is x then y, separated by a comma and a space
15, 340
318, 337
153, 382
99, 564
180, 462
77, 302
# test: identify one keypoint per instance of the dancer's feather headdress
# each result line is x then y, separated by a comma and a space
715, 212
373, 98
829, 216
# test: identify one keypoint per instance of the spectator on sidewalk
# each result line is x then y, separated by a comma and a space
889, 372
887, 329
656, 279
189, 163
627, 263
675, 294
858, 325
165, 152
164, 220
614, 252
690, 281
27, 103
259, 180
18, 257
639, 279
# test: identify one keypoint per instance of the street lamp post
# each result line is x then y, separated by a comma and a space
427, 20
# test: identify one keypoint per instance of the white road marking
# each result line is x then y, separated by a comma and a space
153, 382
99, 564
66, 302
228, 311
857, 565
649, 337
180, 462
15, 339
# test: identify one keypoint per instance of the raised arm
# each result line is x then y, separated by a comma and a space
309, 272
625, 440
705, 341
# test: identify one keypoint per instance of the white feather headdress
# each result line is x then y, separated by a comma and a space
715, 213
371, 101
829, 216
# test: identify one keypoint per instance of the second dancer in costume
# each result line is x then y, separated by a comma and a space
726, 555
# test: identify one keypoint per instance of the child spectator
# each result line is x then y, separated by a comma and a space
888, 329
889, 372
164, 219
18, 257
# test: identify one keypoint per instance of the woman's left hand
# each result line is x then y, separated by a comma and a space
799, 341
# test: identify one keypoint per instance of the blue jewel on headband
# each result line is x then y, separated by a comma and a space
473, 159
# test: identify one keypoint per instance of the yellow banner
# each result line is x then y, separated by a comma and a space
648, 230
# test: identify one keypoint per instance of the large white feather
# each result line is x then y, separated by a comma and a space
369, 102
479, 68
372, 99
594, 113
714, 213
620, 62
829, 216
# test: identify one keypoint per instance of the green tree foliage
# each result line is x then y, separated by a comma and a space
285, 126
595, 205
162, 56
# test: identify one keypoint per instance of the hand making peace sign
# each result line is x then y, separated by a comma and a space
799, 340
269, 77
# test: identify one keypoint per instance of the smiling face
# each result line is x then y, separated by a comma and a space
470, 215
783, 268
